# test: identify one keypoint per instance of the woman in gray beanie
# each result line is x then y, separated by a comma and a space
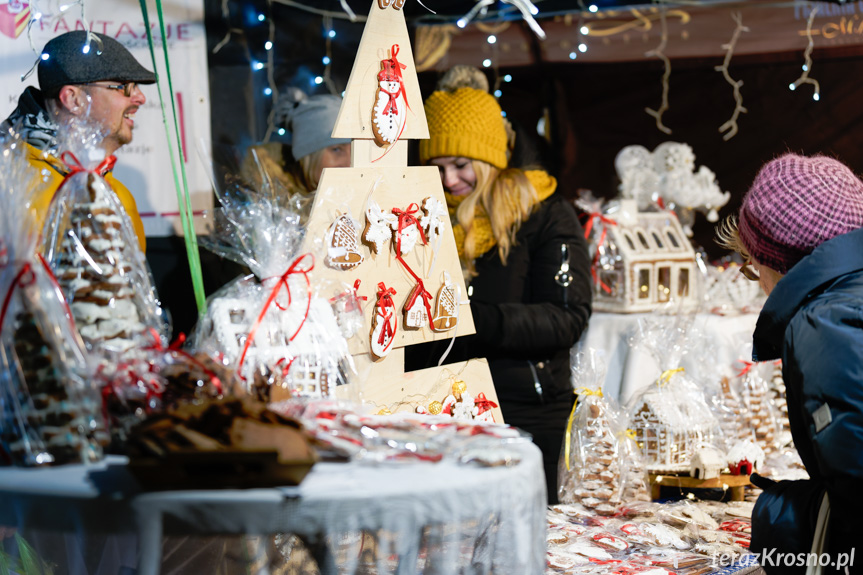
800, 230
309, 120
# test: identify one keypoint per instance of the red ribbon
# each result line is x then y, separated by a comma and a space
747, 367
174, 348
350, 306
391, 71
407, 219
282, 281
587, 229
385, 300
482, 403
423, 292
20, 281
73, 164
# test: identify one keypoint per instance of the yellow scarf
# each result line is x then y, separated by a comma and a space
542, 182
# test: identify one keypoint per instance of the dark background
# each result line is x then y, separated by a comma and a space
594, 109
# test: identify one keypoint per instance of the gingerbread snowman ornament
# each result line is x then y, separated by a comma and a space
390, 110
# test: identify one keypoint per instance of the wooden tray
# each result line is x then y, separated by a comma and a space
217, 470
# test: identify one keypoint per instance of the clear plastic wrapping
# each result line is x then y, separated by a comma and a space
93, 249
284, 331
599, 466
49, 407
670, 417
343, 433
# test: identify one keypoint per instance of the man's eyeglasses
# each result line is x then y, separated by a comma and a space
128, 88
749, 272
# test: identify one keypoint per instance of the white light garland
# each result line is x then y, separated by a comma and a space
807, 56
659, 52
730, 127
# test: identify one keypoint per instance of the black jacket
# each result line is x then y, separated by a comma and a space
526, 324
813, 320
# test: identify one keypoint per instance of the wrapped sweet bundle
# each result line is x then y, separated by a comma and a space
283, 333
670, 417
591, 469
49, 408
761, 414
91, 245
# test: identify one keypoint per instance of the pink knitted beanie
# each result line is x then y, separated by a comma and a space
795, 204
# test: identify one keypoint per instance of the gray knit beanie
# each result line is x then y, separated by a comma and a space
310, 119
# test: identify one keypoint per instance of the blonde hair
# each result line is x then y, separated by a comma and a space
728, 236
310, 164
508, 198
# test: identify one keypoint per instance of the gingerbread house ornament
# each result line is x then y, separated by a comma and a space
383, 104
641, 261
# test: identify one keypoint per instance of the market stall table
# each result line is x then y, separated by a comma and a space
334, 499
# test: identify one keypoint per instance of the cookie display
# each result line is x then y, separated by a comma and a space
379, 227
94, 265
417, 308
384, 323
342, 245
446, 305
761, 415
53, 416
390, 110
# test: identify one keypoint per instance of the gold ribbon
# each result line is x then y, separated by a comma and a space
666, 376
578, 392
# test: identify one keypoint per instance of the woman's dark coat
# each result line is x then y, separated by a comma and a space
813, 320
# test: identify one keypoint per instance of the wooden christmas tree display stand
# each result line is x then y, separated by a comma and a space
383, 85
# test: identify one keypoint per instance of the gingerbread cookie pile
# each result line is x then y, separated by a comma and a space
56, 420
593, 478
93, 265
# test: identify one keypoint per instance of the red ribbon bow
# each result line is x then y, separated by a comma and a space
351, 304
385, 301
391, 71
407, 219
281, 281
587, 229
483, 403
74, 165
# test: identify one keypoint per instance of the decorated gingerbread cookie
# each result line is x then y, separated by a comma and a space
342, 246
390, 110
417, 308
379, 226
446, 305
384, 323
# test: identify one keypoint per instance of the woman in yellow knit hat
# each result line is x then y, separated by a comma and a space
515, 237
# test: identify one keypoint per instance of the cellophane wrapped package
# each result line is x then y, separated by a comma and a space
670, 418
594, 469
50, 412
762, 415
91, 245
284, 332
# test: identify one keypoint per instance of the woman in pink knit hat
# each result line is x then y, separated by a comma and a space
800, 230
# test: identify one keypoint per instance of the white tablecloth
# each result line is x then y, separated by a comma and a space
506, 505
727, 339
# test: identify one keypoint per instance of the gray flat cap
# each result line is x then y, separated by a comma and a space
64, 62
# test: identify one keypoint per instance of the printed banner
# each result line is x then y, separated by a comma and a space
144, 165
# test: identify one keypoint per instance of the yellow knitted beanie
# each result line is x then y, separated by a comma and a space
466, 123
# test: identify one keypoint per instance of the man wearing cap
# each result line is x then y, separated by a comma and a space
800, 231
77, 79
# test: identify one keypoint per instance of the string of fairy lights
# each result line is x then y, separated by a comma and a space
483, 12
